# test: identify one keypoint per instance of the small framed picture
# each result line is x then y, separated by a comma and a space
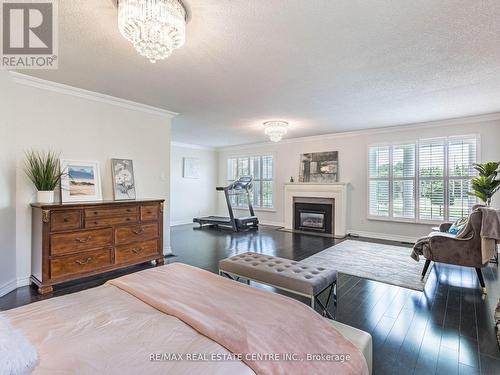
81, 181
191, 168
123, 179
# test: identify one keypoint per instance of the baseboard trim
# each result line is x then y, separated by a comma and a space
8, 287
23, 281
383, 236
181, 222
271, 223
167, 250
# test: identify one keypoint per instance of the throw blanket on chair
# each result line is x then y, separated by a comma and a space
418, 248
490, 226
245, 320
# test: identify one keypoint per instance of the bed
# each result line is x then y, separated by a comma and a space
178, 319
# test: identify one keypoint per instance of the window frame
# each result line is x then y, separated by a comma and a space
261, 181
417, 179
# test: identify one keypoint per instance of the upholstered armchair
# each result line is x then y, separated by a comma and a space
467, 248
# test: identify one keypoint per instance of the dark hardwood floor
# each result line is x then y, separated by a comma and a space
447, 329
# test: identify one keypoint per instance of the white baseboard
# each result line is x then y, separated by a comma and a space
272, 223
383, 236
181, 222
8, 287
167, 250
23, 281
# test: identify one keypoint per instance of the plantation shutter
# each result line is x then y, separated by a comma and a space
403, 181
267, 181
431, 172
378, 173
462, 153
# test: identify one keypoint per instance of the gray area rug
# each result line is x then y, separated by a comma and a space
385, 263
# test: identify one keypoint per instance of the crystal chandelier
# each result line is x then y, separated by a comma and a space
154, 27
275, 130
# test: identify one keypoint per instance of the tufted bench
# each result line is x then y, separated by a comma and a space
284, 274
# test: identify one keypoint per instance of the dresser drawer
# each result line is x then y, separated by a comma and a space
111, 211
65, 220
150, 212
108, 221
136, 233
63, 243
135, 251
81, 263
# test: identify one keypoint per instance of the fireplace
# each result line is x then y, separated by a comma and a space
314, 215
334, 194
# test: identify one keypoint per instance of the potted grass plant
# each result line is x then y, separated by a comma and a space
487, 183
42, 168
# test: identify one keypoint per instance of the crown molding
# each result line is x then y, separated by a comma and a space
387, 129
27, 80
192, 146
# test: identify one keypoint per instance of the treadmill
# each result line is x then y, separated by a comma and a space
241, 186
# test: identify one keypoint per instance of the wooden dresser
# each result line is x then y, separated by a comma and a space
75, 240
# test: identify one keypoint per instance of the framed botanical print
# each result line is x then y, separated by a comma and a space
81, 181
123, 179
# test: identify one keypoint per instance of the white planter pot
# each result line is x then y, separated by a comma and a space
45, 196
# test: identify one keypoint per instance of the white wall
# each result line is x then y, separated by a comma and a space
7, 199
82, 128
192, 197
353, 167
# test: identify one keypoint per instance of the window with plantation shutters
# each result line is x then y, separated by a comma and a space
391, 187
423, 181
261, 169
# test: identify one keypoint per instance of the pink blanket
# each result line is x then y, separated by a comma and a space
270, 333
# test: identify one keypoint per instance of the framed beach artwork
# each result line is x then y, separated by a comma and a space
319, 167
191, 168
81, 181
123, 179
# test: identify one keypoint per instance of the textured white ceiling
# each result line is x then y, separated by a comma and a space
323, 65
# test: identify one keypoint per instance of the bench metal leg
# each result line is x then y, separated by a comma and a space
324, 308
225, 274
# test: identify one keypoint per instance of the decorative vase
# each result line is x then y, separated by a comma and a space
45, 196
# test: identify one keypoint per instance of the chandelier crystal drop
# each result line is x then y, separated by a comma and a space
275, 130
154, 27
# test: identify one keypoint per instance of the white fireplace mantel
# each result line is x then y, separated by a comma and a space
337, 191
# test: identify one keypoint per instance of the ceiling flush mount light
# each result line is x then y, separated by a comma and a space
154, 27
275, 130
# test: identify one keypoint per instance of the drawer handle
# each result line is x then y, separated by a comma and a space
96, 213
138, 231
83, 240
128, 219
137, 251
96, 222
83, 262
65, 219
129, 210
148, 212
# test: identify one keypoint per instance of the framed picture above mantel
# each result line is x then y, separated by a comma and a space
319, 167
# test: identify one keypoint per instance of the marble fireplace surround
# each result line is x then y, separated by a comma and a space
336, 191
